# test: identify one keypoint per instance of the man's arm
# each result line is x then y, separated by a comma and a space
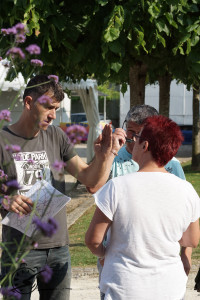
96, 174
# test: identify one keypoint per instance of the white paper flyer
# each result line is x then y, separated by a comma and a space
49, 202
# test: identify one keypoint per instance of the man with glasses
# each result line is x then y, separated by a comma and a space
123, 163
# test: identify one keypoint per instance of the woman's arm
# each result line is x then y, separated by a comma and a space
96, 232
190, 237
186, 257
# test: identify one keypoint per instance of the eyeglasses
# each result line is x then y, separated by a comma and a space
135, 137
124, 125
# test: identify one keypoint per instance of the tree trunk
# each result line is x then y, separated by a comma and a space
164, 94
196, 130
137, 79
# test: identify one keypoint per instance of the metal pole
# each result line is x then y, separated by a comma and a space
104, 108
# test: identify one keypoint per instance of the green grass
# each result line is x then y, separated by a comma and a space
80, 254
82, 257
192, 176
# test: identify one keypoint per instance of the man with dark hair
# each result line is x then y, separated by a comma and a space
41, 84
41, 145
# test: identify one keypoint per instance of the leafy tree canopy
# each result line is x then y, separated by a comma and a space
104, 38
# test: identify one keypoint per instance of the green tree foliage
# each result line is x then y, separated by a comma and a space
110, 90
111, 39
104, 38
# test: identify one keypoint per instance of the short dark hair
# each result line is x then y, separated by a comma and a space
139, 113
41, 84
164, 137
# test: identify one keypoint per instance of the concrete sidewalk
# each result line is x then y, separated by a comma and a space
85, 287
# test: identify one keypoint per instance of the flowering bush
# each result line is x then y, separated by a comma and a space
20, 58
24, 58
76, 133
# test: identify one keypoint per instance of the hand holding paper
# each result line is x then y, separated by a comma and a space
49, 202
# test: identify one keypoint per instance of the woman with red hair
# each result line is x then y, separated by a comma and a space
151, 214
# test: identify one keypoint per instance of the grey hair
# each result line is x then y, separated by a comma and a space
139, 113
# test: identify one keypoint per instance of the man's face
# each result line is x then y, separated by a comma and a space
131, 128
137, 153
44, 113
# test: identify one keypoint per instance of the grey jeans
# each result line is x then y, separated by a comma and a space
58, 288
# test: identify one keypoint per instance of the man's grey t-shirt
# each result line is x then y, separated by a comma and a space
32, 163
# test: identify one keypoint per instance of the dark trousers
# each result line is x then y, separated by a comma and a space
58, 288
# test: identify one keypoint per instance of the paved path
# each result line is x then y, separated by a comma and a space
85, 287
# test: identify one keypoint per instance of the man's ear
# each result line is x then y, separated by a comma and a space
28, 102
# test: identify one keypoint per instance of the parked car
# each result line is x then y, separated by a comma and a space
81, 117
187, 134
78, 117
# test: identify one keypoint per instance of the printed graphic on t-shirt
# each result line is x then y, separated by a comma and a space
30, 167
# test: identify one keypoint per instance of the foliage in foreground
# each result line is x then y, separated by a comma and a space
80, 254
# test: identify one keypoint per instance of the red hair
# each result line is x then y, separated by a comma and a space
164, 137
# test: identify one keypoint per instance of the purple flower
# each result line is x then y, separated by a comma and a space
12, 30
17, 29
20, 38
46, 273
30, 161
10, 292
58, 165
35, 245
37, 62
54, 77
5, 115
13, 184
17, 157
33, 49
3, 176
47, 228
21, 261
1, 58
44, 99
13, 148
20, 28
15, 51
3, 188
4, 31
76, 133
8, 31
